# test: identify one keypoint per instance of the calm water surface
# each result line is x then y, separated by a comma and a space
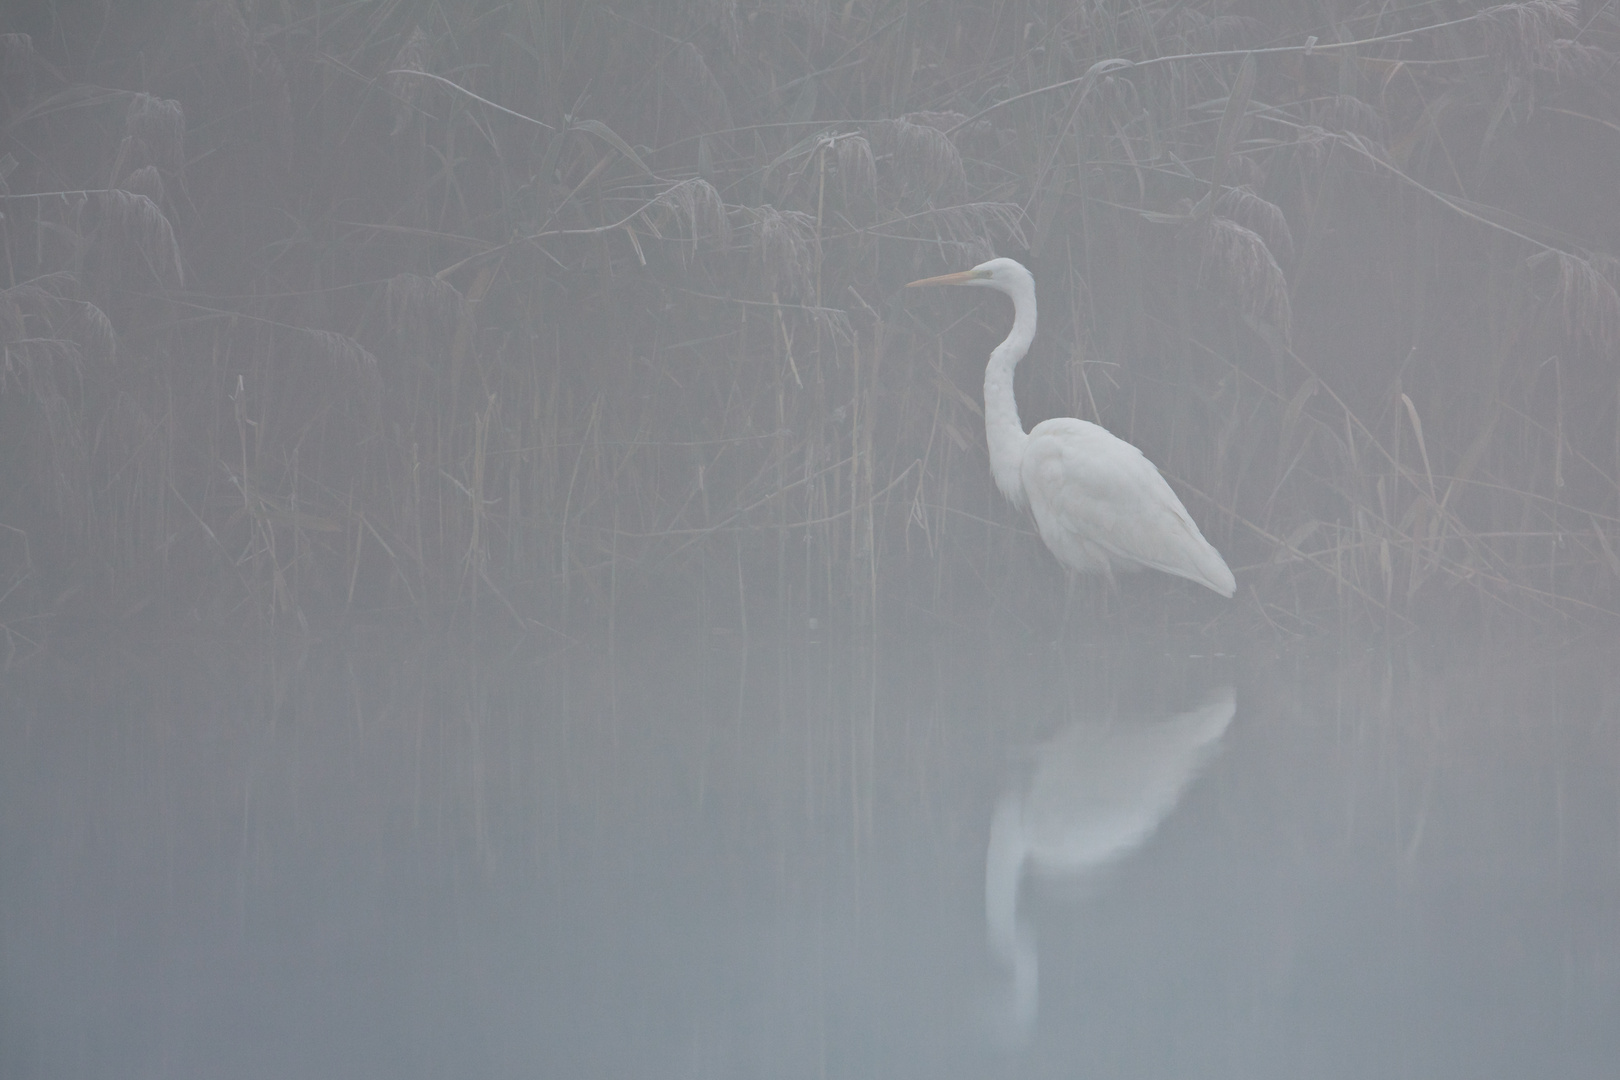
704, 853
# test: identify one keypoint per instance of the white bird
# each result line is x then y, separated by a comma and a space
1099, 504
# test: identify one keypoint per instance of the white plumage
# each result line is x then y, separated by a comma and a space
1100, 505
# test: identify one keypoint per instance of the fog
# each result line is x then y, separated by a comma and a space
376, 857
498, 577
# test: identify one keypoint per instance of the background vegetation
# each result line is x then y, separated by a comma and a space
407, 307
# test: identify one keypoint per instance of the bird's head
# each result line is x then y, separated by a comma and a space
1004, 275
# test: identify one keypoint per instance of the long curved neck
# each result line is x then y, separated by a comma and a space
1002, 428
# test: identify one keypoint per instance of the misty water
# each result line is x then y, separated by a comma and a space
707, 849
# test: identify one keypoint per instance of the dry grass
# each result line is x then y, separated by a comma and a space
512, 307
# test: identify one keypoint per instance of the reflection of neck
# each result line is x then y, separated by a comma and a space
1003, 867
1012, 942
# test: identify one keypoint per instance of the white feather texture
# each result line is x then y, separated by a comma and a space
1100, 505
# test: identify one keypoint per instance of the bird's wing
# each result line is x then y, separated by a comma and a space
1088, 487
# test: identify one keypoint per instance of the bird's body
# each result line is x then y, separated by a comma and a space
1100, 505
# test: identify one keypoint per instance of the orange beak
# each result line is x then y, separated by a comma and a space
960, 278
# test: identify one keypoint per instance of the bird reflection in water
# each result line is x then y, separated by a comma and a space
1097, 791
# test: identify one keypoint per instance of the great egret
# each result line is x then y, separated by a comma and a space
1099, 504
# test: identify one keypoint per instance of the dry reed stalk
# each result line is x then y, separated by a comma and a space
449, 428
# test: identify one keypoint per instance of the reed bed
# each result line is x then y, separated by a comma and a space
507, 309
